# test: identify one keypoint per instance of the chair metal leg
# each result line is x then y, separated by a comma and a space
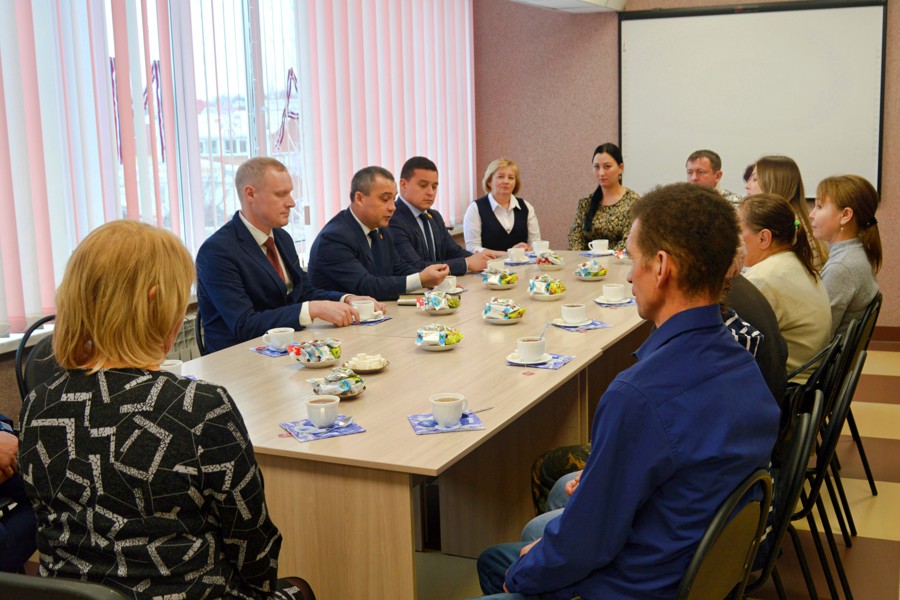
862, 452
779, 586
804, 565
845, 505
820, 550
832, 545
838, 511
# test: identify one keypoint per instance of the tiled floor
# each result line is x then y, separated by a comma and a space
872, 564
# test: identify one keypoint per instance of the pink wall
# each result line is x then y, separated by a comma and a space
546, 93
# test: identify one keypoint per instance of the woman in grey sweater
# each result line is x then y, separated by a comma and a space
844, 217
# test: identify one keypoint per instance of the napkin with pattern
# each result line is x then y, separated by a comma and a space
614, 304
591, 325
555, 362
305, 431
424, 424
266, 351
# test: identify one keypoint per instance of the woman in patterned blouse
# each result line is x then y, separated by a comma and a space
142, 480
604, 214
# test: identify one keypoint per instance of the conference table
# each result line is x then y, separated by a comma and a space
347, 506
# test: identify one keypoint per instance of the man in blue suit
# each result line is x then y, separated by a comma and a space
249, 278
355, 251
420, 235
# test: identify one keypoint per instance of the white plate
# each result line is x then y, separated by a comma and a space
318, 365
560, 323
514, 359
502, 321
437, 348
501, 286
367, 371
550, 267
547, 297
604, 300
602, 253
441, 311
588, 278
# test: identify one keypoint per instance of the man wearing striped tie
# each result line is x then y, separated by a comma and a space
420, 235
249, 278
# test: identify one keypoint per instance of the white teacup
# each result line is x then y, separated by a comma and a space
366, 309
497, 264
540, 246
449, 283
614, 291
516, 254
322, 410
447, 408
573, 313
599, 245
171, 365
278, 338
531, 348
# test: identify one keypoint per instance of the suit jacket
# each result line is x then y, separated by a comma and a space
341, 259
240, 295
412, 247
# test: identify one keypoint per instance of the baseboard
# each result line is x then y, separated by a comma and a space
886, 334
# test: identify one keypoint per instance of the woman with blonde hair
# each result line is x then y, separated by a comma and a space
499, 220
779, 263
142, 480
780, 175
844, 218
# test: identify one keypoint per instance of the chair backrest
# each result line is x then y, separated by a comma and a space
724, 557
867, 324
832, 424
789, 478
30, 369
30, 587
198, 333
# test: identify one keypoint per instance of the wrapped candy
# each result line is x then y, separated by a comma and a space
503, 308
437, 300
313, 351
341, 381
545, 285
437, 335
550, 259
590, 268
499, 277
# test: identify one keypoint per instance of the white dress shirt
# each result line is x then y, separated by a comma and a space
507, 218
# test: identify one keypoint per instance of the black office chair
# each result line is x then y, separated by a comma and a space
30, 587
787, 483
40, 365
721, 565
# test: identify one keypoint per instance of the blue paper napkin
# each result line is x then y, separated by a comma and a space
376, 321
591, 325
519, 263
616, 304
425, 424
555, 362
592, 254
305, 431
266, 351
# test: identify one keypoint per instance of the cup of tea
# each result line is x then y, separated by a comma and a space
171, 365
516, 254
531, 348
449, 283
540, 246
614, 292
497, 264
573, 313
365, 308
447, 408
322, 410
278, 338
599, 245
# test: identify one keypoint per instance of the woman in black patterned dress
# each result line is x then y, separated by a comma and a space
142, 480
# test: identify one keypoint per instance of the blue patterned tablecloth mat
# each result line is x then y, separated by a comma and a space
591, 325
376, 321
424, 424
305, 431
266, 351
555, 362
630, 302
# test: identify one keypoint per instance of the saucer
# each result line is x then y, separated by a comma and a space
547, 297
514, 359
560, 323
456, 290
516, 263
437, 347
502, 321
600, 253
321, 364
501, 286
375, 317
589, 278
604, 300
441, 311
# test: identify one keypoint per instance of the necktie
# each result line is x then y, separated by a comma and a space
273, 256
425, 218
375, 236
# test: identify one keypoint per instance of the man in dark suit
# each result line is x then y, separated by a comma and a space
355, 251
249, 278
420, 235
